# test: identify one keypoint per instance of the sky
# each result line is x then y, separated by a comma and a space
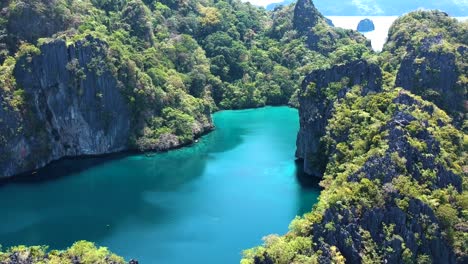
377, 7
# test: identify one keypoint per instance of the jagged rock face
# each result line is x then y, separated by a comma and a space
319, 30
429, 51
434, 76
329, 22
417, 228
348, 236
365, 25
75, 104
69, 114
315, 109
306, 16
382, 184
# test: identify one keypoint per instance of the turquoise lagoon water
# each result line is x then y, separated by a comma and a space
200, 204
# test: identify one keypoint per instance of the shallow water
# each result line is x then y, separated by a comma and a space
200, 204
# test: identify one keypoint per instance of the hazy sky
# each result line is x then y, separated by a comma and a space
360, 4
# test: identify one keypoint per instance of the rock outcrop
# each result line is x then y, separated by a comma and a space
74, 105
393, 165
72, 110
321, 35
389, 195
366, 25
434, 75
28, 22
306, 16
428, 51
319, 90
412, 229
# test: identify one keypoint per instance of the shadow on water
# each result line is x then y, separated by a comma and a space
175, 207
310, 189
306, 181
69, 166
90, 198
62, 168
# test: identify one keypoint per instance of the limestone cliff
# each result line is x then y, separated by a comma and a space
74, 105
434, 75
306, 16
319, 90
428, 51
393, 181
393, 165
321, 35
68, 115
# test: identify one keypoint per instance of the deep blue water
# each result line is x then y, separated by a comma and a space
200, 204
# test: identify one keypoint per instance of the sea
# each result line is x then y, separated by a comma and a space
382, 24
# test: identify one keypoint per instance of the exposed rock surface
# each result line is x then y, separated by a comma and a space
365, 25
383, 185
428, 51
69, 115
321, 35
306, 16
433, 75
27, 22
414, 229
75, 107
315, 108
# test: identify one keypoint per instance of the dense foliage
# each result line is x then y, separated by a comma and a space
191, 56
81, 252
395, 179
389, 153
177, 61
426, 53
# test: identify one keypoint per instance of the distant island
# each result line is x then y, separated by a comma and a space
381, 7
365, 25
373, 159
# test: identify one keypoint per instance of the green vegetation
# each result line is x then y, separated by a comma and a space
426, 53
174, 55
81, 252
358, 136
177, 61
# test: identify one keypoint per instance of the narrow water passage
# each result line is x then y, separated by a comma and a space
200, 204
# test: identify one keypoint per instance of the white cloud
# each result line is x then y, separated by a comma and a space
370, 7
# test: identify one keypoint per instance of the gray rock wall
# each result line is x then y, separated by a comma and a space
316, 109
434, 76
69, 114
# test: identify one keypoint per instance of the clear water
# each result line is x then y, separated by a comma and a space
200, 204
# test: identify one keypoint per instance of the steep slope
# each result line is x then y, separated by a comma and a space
428, 51
105, 76
316, 104
393, 164
67, 115
308, 21
90, 90
394, 184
